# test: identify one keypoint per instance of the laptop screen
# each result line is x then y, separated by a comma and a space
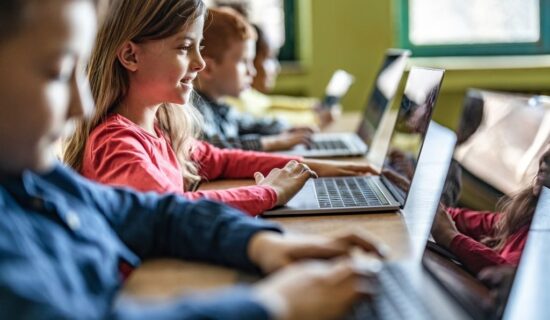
413, 119
385, 86
457, 276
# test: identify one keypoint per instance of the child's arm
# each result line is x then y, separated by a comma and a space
215, 163
36, 295
475, 224
251, 199
476, 256
248, 124
171, 226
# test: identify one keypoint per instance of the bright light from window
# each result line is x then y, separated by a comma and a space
268, 14
434, 22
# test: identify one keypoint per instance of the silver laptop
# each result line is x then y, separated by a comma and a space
356, 144
377, 193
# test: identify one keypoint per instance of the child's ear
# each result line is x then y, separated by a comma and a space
127, 55
209, 70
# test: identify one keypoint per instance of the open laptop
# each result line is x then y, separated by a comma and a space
424, 285
383, 192
355, 144
437, 290
428, 284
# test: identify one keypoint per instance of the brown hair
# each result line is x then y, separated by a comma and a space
517, 212
12, 14
224, 27
138, 21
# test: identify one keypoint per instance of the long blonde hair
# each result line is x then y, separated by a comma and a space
138, 21
517, 212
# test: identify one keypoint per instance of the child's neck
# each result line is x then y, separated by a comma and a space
142, 114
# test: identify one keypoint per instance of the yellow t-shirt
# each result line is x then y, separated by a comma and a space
295, 110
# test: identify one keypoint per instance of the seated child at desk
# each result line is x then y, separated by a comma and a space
229, 51
142, 132
295, 110
482, 239
63, 238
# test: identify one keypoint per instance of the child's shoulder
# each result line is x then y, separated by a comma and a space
116, 129
116, 125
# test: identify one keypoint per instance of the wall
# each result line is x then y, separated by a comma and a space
353, 34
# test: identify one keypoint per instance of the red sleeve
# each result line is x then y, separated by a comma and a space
476, 256
120, 159
215, 163
475, 224
252, 199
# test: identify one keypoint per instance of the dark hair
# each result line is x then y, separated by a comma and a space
453, 185
472, 115
11, 12
261, 40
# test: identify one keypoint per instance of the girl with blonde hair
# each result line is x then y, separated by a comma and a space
141, 71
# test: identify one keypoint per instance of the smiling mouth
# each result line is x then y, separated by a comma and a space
188, 81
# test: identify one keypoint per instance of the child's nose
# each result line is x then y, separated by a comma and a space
198, 63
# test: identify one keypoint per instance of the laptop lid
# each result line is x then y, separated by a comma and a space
471, 294
413, 119
383, 92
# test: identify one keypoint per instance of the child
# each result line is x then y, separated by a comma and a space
485, 239
295, 110
229, 53
141, 135
63, 237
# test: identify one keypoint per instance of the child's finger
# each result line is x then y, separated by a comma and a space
258, 177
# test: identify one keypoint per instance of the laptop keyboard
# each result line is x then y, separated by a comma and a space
348, 192
396, 299
329, 145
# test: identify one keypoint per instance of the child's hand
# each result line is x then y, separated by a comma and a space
444, 229
328, 168
272, 251
304, 129
314, 290
286, 181
286, 140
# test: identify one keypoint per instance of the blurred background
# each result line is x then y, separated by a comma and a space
491, 44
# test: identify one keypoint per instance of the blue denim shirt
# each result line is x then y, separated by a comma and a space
62, 239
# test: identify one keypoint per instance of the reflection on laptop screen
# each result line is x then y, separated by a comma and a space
413, 119
386, 84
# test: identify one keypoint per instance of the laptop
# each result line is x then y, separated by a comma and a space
430, 284
424, 285
383, 192
356, 144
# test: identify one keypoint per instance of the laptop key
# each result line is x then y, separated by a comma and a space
347, 192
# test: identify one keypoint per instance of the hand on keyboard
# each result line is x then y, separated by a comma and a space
328, 168
272, 251
313, 290
286, 140
286, 181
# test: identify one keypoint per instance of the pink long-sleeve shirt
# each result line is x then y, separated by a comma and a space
121, 153
474, 226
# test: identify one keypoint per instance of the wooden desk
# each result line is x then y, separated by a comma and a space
161, 279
